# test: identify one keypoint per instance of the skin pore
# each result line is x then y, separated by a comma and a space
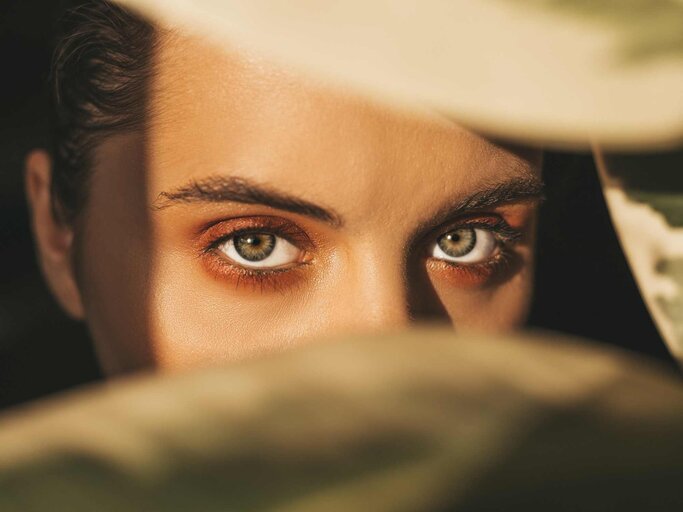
260, 209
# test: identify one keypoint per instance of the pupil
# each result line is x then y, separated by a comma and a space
253, 240
254, 247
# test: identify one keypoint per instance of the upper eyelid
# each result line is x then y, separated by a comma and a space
505, 230
229, 236
277, 226
501, 228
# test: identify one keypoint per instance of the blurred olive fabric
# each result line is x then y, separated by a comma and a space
419, 421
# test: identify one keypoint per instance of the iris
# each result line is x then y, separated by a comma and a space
254, 246
458, 243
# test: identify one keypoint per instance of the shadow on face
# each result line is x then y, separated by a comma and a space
260, 209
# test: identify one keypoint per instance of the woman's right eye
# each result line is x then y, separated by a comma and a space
261, 250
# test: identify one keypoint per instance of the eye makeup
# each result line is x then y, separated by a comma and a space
464, 274
212, 242
233, 233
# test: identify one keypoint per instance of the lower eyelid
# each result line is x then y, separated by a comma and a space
255, 279
475, 275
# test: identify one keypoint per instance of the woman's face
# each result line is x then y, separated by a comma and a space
259, 210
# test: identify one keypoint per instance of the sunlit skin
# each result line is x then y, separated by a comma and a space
351, 198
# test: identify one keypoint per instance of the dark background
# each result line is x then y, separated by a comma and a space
583, 284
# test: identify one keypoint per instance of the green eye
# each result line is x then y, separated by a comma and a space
458, 243
254, 246
260, 250
465, 245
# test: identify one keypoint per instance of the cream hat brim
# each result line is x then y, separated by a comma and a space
563, 74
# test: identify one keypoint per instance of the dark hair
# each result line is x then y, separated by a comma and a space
99, 77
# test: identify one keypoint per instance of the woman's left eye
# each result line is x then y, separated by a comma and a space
465, 245
260, 250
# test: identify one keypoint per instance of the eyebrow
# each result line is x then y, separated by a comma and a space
219, 189
519, 189
514, 190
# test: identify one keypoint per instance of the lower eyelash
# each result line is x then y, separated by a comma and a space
497, 262
478, 274
278, 279
258, 282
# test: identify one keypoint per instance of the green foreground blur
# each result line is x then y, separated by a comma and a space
419, 421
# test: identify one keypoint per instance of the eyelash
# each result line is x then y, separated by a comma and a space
278, 279
275, 279
477, 274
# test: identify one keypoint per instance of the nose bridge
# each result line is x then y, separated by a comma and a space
376, 294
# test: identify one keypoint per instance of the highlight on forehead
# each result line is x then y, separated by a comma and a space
191, 63
513, 172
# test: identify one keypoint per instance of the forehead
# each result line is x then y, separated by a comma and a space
231, 112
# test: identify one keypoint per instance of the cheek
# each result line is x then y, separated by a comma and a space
493, 309
114, 273
501, 303
114, 255
198, 319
